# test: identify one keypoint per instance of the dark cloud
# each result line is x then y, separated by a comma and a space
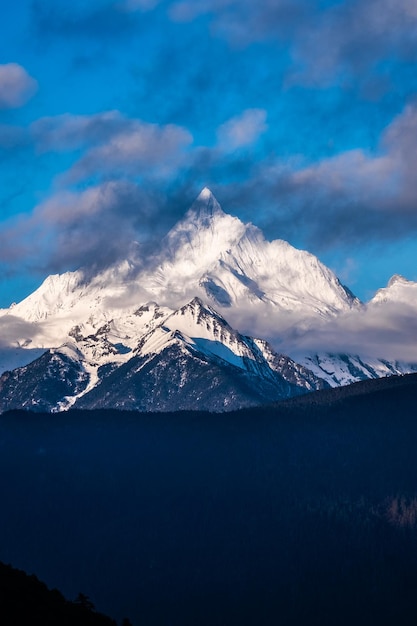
195, 80
95, 227
354, 37
325, 37
68, 132
92, 228
147, 150
337, 202
14, 331
12, 247
244, 21
231, 55
327, 40
144, 176
348, 199
114, 145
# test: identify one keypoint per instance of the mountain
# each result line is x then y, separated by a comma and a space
208, 254
83, 337
389, 317
399, 291
345, 369
188, 358
217, 257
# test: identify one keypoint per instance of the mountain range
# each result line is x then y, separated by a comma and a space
217, 318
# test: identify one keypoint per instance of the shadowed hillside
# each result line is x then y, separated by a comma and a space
298, 513
26, 600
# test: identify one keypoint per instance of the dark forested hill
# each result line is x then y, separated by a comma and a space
26, 600
393, 388
302, 513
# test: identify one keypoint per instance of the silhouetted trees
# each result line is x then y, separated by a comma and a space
26, 600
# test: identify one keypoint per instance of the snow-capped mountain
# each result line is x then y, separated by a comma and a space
208, 254
132, 320
399, 291
188, 359
231, 264
344, 369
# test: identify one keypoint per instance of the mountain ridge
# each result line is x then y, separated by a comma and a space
184, 358
214, 285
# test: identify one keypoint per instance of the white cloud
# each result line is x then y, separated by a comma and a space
388, 331
242, 131
16, 86
385, 332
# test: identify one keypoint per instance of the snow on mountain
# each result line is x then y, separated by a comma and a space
231, 265
74, 296
53, 296
194, 355
224, 269
43, 384
208, 254
201, 328
111, 344
398, 291
68, 303
344, 369
194, 347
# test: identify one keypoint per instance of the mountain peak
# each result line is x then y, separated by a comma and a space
397, 278
205, 206
197, 309
205, 194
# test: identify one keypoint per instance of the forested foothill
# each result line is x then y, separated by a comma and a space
26, 600
299, 513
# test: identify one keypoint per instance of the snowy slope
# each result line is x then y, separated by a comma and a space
344, 369
193, 354
217, 263
194, 347
208, 254
399, 291
230, 264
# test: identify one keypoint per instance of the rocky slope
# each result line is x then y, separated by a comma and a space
187, 359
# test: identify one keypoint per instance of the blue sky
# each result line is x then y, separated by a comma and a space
301, 115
